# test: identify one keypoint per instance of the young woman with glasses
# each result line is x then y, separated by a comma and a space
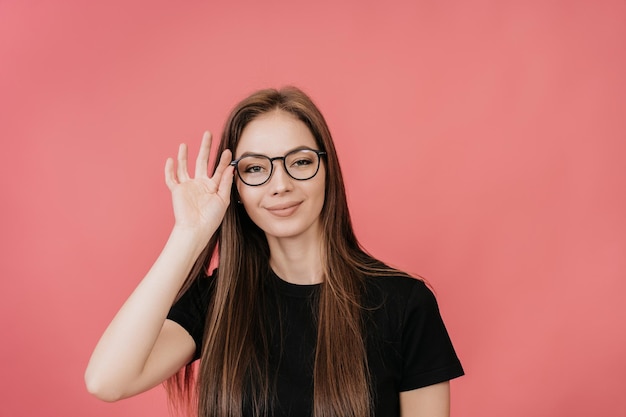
297, 319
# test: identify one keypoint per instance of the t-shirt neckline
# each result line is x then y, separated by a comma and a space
293, 290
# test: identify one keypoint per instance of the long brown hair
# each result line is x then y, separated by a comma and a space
234, 368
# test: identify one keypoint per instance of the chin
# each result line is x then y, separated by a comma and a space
291, 231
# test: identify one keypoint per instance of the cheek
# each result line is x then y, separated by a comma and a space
322, 182
245, 194
248, 197
318, 193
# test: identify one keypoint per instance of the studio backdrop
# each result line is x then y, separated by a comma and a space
482, 144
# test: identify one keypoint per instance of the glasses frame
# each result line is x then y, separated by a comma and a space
235, 163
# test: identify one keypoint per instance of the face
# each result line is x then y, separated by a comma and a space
283, 207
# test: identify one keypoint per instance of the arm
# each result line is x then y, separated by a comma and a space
140, 348
430, 401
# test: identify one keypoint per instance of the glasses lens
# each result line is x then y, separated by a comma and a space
254, 170
302, 164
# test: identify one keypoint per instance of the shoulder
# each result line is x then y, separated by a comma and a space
398, 299
195, 296
399, 288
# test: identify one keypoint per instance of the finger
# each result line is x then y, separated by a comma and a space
202, 162
226, 183
170, 174
183, 174
225, 159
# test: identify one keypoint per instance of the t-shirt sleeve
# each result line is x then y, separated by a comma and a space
191, 309
428, 355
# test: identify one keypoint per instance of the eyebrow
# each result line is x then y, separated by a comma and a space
298, 148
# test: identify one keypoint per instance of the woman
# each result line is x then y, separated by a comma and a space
297, 320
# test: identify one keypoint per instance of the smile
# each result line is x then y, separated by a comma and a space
284, 210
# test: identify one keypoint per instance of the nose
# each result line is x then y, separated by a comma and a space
280, 181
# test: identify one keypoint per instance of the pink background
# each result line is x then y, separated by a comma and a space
483, 145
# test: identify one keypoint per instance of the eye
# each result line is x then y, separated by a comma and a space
302, 162
254, 165
254, 169
301, 159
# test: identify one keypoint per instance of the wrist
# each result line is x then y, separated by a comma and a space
189, 239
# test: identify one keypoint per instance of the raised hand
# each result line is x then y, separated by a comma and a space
140, 348
199, 202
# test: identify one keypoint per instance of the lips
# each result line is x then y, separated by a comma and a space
284, 209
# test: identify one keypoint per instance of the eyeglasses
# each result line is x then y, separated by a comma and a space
300, 164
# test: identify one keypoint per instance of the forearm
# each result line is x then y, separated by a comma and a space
123, 350
430, 401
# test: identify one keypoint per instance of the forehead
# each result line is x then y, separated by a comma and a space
274, 134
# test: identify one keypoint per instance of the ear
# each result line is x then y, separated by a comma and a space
235, 190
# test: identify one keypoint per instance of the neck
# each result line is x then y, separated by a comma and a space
297, 260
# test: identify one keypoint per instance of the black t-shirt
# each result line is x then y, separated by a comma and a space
407, 343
